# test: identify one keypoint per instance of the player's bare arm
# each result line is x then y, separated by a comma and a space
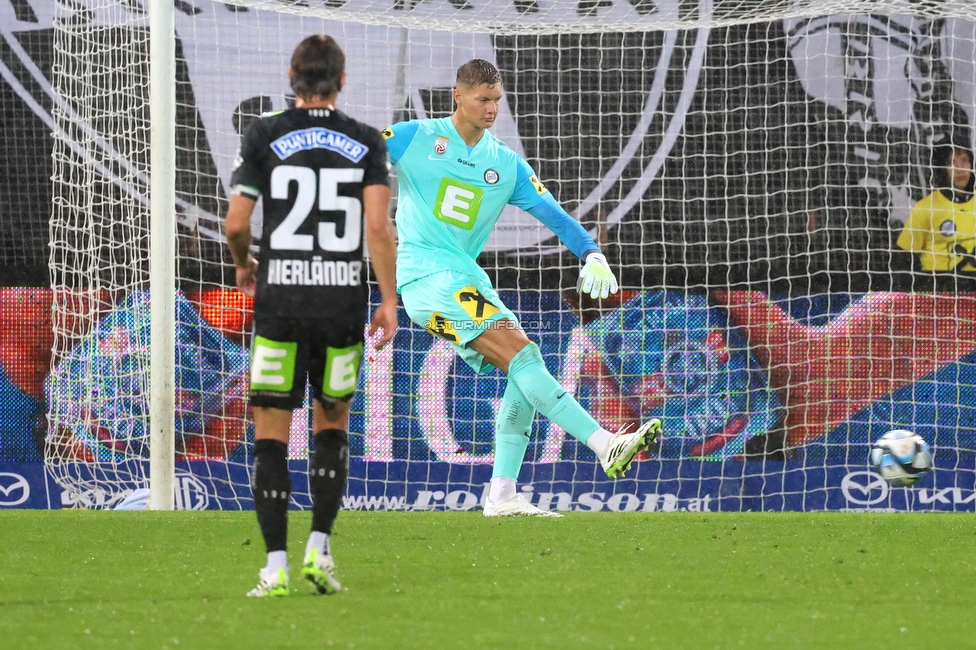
237, 228
382, 253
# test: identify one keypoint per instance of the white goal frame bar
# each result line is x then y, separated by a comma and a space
162, 265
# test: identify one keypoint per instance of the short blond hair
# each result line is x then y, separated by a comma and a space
478, 71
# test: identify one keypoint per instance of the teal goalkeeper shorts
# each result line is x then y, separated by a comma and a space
457, 308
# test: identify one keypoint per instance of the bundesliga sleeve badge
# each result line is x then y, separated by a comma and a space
440, 145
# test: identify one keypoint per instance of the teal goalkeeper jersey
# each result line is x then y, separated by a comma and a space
451, 195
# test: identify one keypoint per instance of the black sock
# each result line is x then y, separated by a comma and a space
271, 488
327, 477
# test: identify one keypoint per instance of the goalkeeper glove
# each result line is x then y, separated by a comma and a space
596, 278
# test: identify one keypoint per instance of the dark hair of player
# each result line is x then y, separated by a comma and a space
478, 71
942, 154
942, 158
317, 66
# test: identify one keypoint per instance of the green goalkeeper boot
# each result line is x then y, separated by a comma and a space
624, 446
320, 571
271, 584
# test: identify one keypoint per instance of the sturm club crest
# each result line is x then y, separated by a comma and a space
491, 176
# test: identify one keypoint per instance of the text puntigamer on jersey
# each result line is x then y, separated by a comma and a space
319, 138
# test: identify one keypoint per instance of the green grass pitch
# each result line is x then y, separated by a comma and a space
75, 579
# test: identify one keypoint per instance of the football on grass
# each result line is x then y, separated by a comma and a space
901, 457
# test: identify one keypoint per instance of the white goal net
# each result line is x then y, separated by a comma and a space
751, 170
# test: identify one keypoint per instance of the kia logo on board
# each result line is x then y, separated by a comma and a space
864, 488
14, 489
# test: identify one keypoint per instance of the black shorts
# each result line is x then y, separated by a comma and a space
286, 351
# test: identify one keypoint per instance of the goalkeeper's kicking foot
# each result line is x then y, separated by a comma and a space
624, 446
515, 507
320, 571
272, 584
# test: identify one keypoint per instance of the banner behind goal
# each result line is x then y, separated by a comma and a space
748, 167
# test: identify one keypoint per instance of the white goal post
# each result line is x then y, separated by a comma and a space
162, 281
749, 167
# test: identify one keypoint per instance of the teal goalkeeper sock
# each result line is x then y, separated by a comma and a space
528, 372
512, 427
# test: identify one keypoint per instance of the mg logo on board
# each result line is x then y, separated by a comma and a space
190, 492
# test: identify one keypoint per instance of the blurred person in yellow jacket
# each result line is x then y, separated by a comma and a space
941, 228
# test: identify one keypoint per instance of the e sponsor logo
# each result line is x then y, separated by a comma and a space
864, 488
458, 203
273, 365
14, 489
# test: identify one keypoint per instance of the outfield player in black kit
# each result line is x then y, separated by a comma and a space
324, 182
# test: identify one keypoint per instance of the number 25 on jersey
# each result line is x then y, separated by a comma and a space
324, 186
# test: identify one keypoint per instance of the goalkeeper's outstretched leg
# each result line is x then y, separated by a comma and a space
508, 348
466, 311
531, 387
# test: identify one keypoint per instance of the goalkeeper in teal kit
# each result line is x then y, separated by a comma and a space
454, 180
